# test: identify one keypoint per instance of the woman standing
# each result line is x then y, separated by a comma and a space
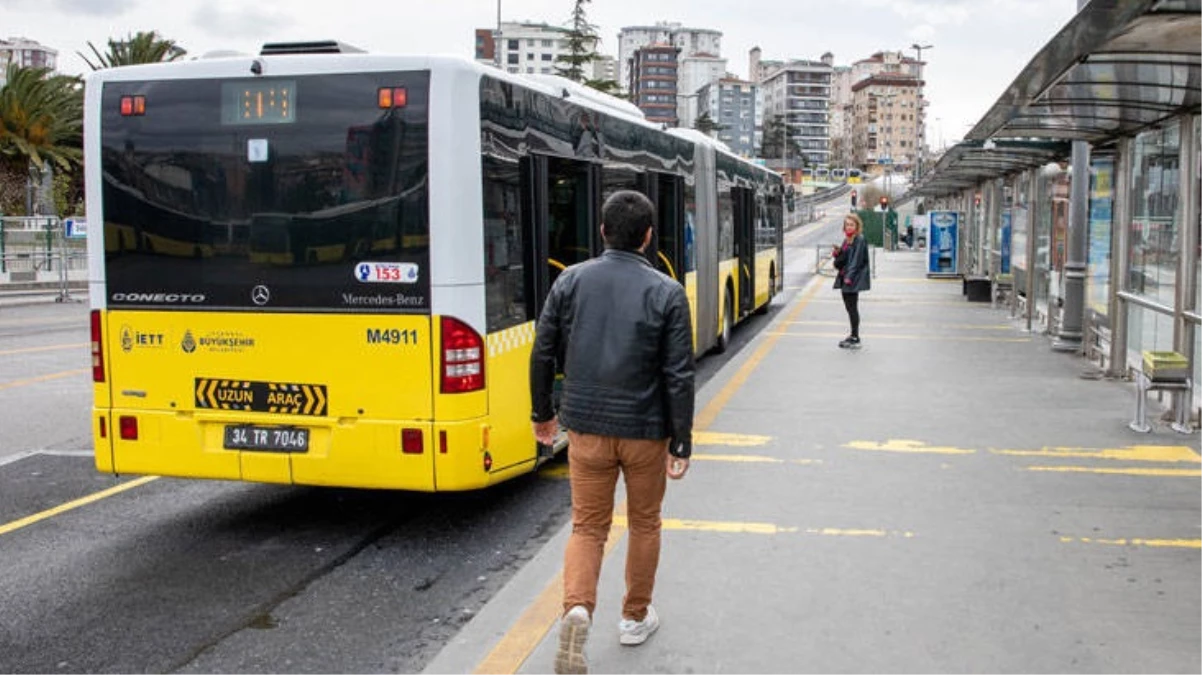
853, 276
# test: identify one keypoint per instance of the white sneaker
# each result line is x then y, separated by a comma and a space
573, 633
631, 632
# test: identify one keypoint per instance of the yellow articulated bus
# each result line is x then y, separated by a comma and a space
399, 222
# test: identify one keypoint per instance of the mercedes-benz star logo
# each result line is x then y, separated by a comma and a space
261, 295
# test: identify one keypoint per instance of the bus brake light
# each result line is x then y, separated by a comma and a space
392, 97
129, 428
133, 106
411, 441
97, 348
462, 358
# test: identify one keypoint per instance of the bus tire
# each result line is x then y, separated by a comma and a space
763, 309
728, 324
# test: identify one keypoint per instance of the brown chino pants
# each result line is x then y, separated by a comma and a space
594, 463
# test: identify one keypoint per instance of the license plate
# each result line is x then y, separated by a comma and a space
272, 439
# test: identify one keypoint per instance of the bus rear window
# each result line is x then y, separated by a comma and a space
318, 203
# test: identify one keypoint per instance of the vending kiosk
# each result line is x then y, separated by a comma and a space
943, 244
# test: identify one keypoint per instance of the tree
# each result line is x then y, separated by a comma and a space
776, 138
41, 126
581, 43
141, 47
706, 124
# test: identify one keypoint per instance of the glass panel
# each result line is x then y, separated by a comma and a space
1148, 330
503, 270
1154, 214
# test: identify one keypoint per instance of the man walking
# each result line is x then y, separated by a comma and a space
624, 337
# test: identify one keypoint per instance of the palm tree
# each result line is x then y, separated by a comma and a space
41, 119
141, 47
41, 126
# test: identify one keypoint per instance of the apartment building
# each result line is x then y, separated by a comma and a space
523, 47
653, 82
799, 93
692, 42
736, 107
886, 127
25, 53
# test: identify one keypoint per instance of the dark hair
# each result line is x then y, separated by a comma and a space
626, 216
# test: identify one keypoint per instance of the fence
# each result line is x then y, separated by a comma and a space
35, 252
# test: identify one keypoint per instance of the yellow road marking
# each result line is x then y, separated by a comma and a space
1135, 453
738, 440
512, 650
706, 417
42, 378
732, 527
925, 338
83, 501
524, 635
916, 447
1153, 543
45, 348
751, 459
554, 471
886, 324
1180, 473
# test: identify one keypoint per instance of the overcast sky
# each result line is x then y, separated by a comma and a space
979, 45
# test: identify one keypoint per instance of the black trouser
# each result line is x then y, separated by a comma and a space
852, 301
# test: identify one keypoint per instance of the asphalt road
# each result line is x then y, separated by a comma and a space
167, 575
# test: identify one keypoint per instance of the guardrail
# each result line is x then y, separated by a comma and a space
36, 253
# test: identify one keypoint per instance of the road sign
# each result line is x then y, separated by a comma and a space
76, 228
884, 160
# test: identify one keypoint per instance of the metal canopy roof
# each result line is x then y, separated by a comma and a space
970, 162
1118, 66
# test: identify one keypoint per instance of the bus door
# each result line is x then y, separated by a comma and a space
744, 206
666, 252
564, 203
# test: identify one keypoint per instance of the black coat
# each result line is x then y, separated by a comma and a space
624, 336
852, 265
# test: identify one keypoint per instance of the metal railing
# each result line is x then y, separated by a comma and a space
36, 256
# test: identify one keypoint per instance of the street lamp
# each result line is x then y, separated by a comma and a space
919, 120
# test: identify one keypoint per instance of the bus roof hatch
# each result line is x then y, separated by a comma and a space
314, 47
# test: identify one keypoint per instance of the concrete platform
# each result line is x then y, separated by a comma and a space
951, 497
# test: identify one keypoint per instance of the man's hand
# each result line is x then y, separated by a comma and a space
545, 431
677, 466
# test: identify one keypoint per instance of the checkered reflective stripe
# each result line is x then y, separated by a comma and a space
510, 339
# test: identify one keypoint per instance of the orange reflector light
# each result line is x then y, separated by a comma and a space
104, 428
127, 106
129, 428
384, 98
139, 105
411, 441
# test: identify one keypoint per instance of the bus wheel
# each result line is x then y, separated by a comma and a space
728, 325
763, 309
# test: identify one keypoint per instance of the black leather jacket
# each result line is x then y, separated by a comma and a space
623, 334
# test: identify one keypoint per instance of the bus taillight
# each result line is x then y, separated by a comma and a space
462, 357
97, 349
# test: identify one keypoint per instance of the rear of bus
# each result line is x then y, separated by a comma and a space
307, 356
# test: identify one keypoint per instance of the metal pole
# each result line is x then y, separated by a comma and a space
1187, 261
496, 42
1070, 336
1120, 258
1039, 194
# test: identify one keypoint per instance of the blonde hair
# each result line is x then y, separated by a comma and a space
854, 218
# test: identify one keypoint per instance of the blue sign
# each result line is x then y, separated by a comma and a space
1005, 243
943, 243
75, 228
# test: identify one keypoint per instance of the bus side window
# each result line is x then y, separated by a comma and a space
504, 281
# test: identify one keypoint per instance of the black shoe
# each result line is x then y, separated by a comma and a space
851, 342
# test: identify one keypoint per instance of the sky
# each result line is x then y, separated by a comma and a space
979, 46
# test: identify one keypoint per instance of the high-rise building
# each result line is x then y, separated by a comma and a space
653, 81
798, 93
606, 68
694, 73
524, 47
842, 117
690, 41
736, 108
25, 53
885, 134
